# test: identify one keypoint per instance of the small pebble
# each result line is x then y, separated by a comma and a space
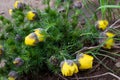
117, 64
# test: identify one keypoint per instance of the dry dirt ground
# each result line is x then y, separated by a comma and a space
5, 5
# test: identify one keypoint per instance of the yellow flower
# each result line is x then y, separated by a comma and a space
18, 61
85, 61
16, 4
109, 42
31, 39
12, 75
11, 78
10, 11
39, 34
109, 34
31, 15
102, 24
19, 5
68, 68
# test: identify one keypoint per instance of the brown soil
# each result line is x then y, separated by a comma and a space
98, 69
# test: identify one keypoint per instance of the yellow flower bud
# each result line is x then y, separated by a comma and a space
102, 24
11, 78
18, 61
19, 5
12, 75
109, 42
107, 39
31, 15
109, 34
31, 39
68, 68
15, 62
85, 61
39, 34
10, 11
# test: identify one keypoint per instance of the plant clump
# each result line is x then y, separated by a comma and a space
32, 37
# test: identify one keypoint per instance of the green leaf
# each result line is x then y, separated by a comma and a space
109, 6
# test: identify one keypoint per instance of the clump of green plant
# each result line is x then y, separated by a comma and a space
24, 53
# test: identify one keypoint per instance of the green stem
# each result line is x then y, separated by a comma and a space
62, 55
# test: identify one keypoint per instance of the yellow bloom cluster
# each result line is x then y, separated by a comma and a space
105, 37
31, 15
68, 67
109, 42
17, 5
33, 38
102, 24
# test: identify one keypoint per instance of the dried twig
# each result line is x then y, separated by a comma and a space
62, 77
76, 77
2, 12
97, 65
112, 25
96, 76
116, 46
113, 53
85, 49
115, 27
